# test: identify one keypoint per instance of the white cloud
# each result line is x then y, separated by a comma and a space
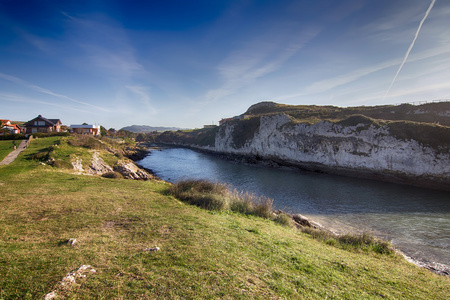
260, 57
46, 91
142, 93
22, 99
326, 85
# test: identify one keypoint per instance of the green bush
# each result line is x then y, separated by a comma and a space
41, 156
112, 175
86, 141
12, 137
283, 219
217, 196
62, 164
363, 241
49, 134
201, 193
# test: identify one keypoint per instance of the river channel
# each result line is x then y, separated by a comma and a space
414, 220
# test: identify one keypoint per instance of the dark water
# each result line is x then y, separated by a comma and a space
415, 220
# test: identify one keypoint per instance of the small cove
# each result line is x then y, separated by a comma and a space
415, 220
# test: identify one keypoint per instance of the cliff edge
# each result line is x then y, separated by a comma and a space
395, 149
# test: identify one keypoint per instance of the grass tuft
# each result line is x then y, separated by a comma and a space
363, 241
283, 219
113, 175
217, 196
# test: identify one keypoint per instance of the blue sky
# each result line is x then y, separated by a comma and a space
191, 63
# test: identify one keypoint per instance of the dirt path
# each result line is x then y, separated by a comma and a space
12, 156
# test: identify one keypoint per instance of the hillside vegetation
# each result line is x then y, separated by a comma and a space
136, 241
435, 113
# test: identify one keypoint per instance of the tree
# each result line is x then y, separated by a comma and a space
140, 137
102, 131
3, 130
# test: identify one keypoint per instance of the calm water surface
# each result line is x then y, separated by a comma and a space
415, 220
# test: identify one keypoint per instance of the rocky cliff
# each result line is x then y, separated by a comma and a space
401, 151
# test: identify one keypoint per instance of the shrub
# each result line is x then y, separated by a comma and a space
49, 134
283, 219
356, 241
42, 156
217, 196
112, 175
249, 204
8, 136
63, 164
86, 141
201, 193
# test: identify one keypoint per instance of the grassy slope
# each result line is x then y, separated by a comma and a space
203, 254
6, 147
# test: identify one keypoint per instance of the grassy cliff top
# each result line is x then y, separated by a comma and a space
426, 113
203, 254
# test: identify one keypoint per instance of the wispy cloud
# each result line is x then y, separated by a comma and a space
323, 86
142, 93
104, 46
410, 46
258, 58
22, 99
46, 91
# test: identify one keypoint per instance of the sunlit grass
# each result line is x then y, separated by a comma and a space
204, 254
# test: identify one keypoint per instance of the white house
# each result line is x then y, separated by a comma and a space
86, 129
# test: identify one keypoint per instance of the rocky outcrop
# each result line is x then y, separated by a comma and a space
358, 149
131, 171
97, 166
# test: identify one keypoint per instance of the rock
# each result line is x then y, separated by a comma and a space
130, 171
69, 280
152, 249
98, 166
50, 296
301, 220
78, 165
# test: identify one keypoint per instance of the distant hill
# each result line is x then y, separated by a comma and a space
146, 128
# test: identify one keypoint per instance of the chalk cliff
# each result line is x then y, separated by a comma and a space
396, 150
362, 149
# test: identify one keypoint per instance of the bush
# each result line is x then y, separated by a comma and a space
217, 196
42, 156
49, 134
86, 141
12, 136
356, 241
62, 164
112, 175
283, 219
201, 193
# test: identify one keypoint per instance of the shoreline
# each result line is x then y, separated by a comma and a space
275, 163
437, 268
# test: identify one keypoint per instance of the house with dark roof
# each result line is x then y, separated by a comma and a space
41, 124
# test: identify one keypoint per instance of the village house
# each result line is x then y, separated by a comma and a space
86, 129
8, 127
41, 124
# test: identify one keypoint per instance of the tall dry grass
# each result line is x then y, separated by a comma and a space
218, 196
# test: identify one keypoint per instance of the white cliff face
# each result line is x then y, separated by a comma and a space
360, 147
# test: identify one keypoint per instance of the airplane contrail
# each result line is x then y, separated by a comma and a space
410, 47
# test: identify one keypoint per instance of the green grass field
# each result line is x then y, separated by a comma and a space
203, 254
6, 147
